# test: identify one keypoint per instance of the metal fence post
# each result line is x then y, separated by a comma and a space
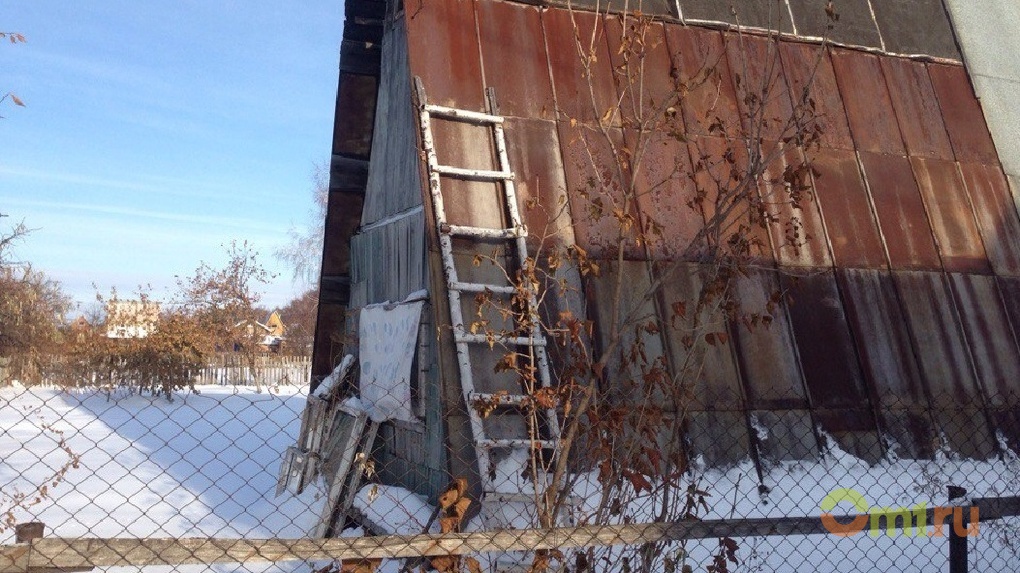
957, 542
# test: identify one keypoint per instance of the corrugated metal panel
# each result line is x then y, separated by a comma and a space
784, 435
699, 56
996, 216
917, 108
587, 158
665, 195
992, 342
915, 27
717, 383
807, 67
571, 85
721, 174
643, 83
940, 344
761, 88
514, 59
945, 199
869, 109
962, 114
389, 260
844, 202
534, 151
901, 215
472, 203
443, 49
766, 354
855, 26
810, 247
720, 439
827, 355
1010, 288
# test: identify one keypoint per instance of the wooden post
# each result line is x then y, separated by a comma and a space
957, 542
28, 532
15, 559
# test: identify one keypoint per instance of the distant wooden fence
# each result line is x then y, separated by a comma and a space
270, 370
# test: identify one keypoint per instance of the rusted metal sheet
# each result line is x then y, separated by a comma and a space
799, 237
765, 352
722, 176
992, 341
917, 108
514, 59
916, 27
470, 203
534, 151
945, 199
962, 114
938, 340
900, 210
665, 194
853, 232
828, 358
597, 201
572, 82
866, 97
709, 371
996, 216
709, 102
640, 59
883, 340
443, 50
720, 439
760, 86
813, 86
855, 26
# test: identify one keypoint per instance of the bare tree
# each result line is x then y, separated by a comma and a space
304, 250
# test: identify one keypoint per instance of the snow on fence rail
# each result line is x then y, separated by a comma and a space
269, 370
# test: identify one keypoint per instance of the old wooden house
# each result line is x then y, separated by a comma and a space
471, 131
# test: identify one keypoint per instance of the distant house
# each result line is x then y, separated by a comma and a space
270, 333
131, 318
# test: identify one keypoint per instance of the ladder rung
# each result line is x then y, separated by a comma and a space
462, 114
499, 339
479, 174
482, 232
501, 399
517, 443
480, 287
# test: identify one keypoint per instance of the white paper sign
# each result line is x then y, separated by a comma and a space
388, 338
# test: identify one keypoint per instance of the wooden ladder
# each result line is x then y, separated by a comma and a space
529, 338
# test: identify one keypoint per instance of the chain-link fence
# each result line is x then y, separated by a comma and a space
199, 481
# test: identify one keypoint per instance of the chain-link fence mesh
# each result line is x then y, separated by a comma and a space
226, 462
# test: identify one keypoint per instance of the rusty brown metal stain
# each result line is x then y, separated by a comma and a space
699, 61
722, 178
827, 355
471, 203
808, 68
760, 86
534, 153
992, 341
917, 108
853, 232
951, 217
799, 237
573, 84
766, 352
665, 194
643, 80
443, 51
962, 113
996, 215
514, 59
596, 193
901, 215
868, 107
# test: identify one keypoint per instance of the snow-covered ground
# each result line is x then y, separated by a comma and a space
204, 465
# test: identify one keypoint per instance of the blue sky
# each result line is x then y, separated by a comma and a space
157, 131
